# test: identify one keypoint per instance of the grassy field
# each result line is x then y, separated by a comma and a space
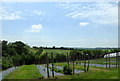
94, 74
56, 51
31, 72
79, 67
100, 61
25, 72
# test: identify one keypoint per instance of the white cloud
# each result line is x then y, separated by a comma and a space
7, 14
99, 13
83, 24
38, 12
35, 28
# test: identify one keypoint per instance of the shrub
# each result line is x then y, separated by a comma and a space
67, 70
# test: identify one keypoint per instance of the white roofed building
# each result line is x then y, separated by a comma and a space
111, 55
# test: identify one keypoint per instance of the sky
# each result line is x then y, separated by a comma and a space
67, 24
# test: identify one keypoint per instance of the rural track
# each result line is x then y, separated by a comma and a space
6, 72
61, 68
43, 71
97, 65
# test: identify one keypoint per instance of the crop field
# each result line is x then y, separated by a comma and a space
56, 51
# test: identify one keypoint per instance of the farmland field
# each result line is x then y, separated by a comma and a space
56, 51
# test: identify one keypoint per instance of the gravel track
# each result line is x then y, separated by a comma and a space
6, 72
98, 65
43, 71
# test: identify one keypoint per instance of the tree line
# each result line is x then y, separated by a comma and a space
18, 53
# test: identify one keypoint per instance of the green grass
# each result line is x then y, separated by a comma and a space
100, 61
79, 67
94, 74
56, 51
56, 70
25, 72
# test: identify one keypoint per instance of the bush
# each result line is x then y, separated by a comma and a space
67, 70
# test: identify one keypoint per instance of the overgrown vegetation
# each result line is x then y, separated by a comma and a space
67, 70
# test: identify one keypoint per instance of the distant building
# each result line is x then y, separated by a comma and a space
111, 55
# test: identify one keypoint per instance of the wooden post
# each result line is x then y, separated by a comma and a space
88, 62
84, 62
52, 65
117, 59
109, 60
68, 60
73, 66
106, 60
47, 64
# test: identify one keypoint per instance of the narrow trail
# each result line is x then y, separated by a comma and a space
6, 72
97, 65
43, 71
0, 76
61, 68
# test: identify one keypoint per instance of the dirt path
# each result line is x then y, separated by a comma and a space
43, 71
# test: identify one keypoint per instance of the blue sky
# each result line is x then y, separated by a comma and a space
70, 24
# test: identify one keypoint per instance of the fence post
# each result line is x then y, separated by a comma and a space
68, 60
116, 59
73, 67
106, 60
47, 64
52, 65
109, 60
84, 62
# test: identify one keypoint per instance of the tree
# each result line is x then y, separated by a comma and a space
60, 57
53, 47
4, 48
19, 47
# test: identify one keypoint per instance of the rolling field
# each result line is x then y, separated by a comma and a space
56, 51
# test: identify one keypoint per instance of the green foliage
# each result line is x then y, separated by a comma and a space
67, 70
20, 54
60, 57
7, 62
